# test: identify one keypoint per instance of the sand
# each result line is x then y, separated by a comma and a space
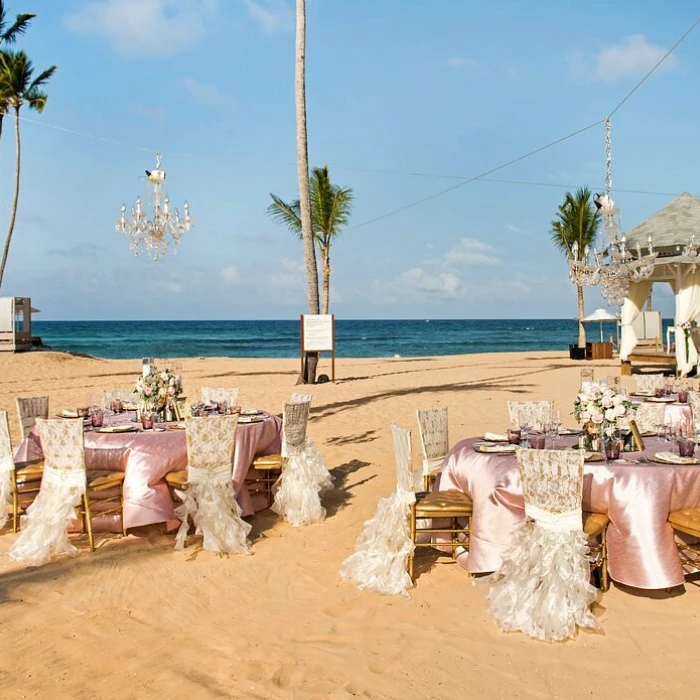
138, 619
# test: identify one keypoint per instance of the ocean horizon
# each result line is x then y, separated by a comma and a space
280, 339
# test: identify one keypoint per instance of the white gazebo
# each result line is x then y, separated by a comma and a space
672, 229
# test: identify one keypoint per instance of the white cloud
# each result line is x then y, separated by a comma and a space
470, 251
633, 56
460, 63
204, 93
229, 275
271, 15
444, 285
137, 28
174, 287
515, 229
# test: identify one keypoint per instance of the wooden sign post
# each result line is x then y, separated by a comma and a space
318, 335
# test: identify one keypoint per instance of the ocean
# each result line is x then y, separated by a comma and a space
354, 338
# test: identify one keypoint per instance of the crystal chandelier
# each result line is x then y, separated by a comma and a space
617, 266
153, 235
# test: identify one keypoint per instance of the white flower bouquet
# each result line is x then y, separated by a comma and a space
601, 407
159, 388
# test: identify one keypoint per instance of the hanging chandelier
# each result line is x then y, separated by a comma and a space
153, 235
616, 266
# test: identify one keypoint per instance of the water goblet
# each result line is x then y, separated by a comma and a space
686, 446
514, 435
612, 448
98, 418
525, 429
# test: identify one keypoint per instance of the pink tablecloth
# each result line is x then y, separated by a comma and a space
636, 497
146, 457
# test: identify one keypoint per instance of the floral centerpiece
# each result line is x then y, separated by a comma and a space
158, 390
688, 327
600, 408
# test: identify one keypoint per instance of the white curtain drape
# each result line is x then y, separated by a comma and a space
631, 308
687, 309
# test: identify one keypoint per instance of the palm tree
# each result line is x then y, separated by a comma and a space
17, 89
330, 211
577, 221
311, 359
8, 35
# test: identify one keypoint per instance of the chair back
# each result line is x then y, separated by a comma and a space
531, 413
29, 409
432, 428
694, 402
649, 416
649, 382
294, 421
552, 479
403, 455
212, 395
210, 442
7, 462
300, 398
62, 443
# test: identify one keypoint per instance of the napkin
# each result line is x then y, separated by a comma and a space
69, 413
495, 448
496, 437
672, 458
117, 429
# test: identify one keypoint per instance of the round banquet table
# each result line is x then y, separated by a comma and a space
147, 456
636, 497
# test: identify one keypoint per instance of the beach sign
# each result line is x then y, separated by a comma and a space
318, 335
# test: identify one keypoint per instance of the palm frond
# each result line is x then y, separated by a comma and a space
19, 26
288, 215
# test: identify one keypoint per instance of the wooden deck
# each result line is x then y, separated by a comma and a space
657, 359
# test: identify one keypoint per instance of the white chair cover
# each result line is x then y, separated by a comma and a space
381, 553
542, 587
45, 525
533, 413
7, 465
211, 395
209, 499
434, 440
29, 409
649, 382
694, 401
305, 476
648, 416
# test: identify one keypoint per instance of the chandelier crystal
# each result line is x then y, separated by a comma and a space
153, 235
616, 266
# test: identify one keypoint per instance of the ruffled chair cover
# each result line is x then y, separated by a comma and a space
211, 395
532, 413
29, 409
649, 382
694, 401
649, 416
305, 476
45, 525
434, 440
543, 586
7, 465
382, 550
209, 499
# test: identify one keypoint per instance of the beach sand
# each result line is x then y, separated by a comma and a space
138, 619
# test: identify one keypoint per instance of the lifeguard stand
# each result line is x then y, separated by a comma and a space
15, 324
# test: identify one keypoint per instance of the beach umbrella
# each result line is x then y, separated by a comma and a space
600, 315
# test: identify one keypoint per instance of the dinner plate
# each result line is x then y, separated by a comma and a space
569, 431
643, 394
661, 399
251, 419
153, 430
177, 426
495, 448
117, 429
593, 457
250, 411
659, 459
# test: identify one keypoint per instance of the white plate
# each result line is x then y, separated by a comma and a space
153, 430
250, 419
250, 412
117, 429
661, 399
495, 448
660, 459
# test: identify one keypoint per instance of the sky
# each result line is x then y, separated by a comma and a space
405, 99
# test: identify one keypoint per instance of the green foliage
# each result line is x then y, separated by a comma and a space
577, 221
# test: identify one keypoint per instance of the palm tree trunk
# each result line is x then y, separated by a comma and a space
303, 175
581, 314
15, 200
326, 254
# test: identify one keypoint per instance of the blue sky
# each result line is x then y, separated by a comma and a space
401, 94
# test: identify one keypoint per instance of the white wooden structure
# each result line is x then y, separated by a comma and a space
15, 324
674, 230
